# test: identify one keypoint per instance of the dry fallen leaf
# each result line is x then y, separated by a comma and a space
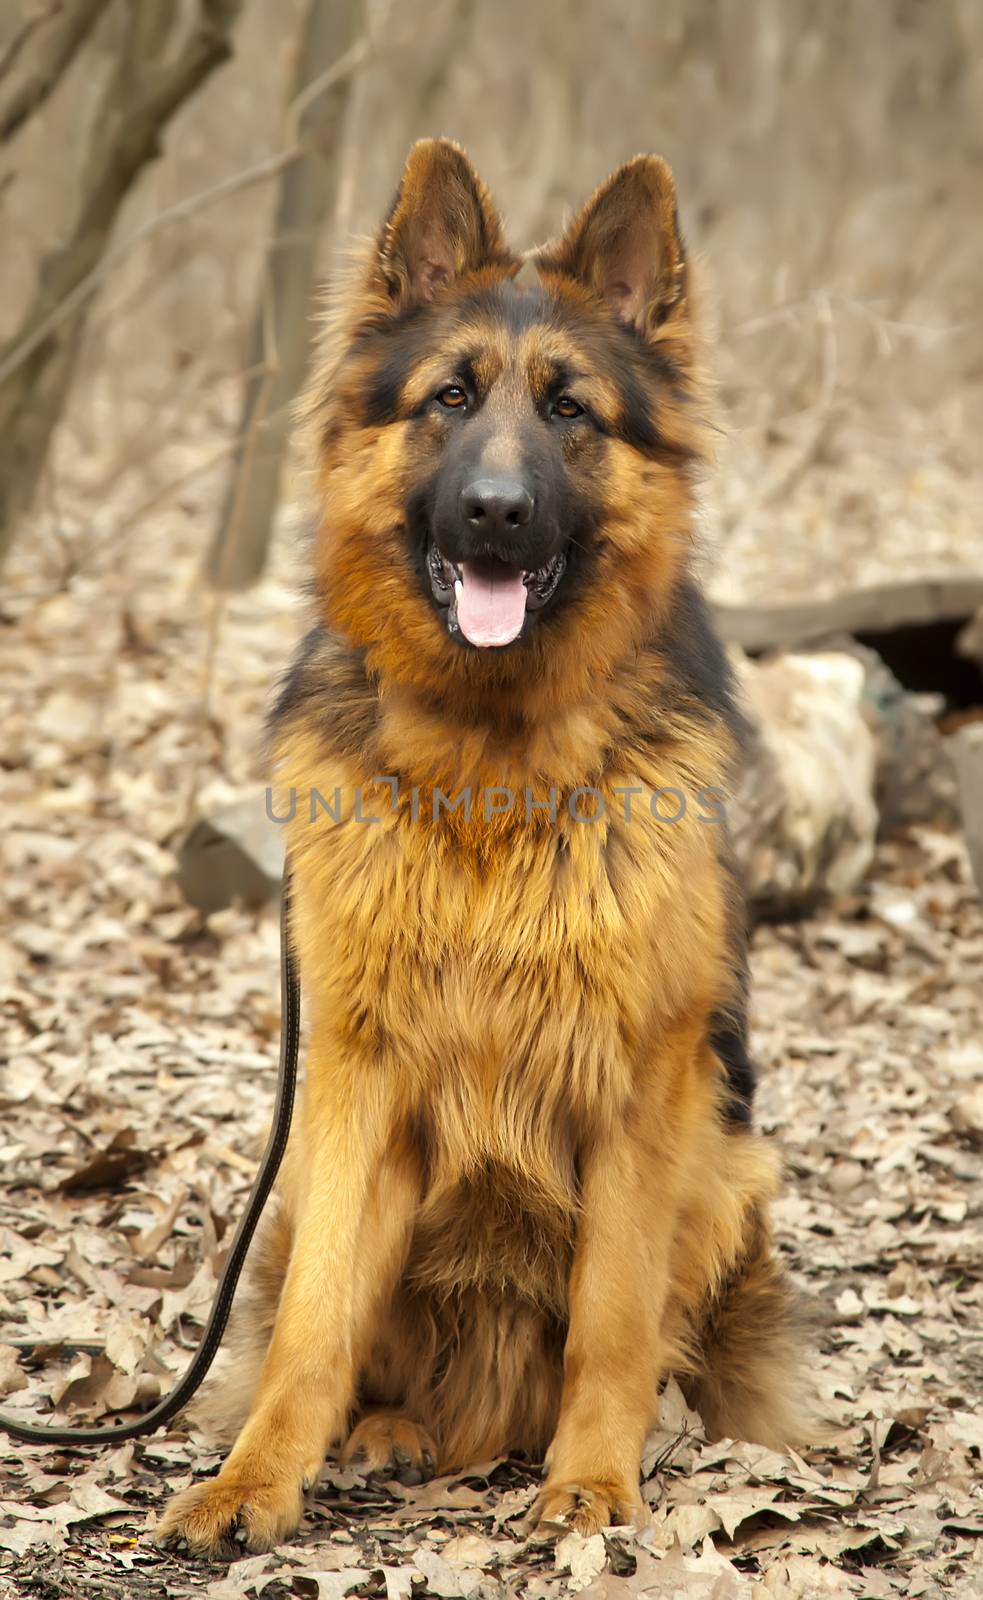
582, 1557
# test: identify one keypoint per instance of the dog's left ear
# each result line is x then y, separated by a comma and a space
625, 245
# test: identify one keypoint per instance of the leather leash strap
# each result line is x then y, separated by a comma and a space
179, 1396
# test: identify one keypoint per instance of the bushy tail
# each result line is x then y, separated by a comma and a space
749, 1380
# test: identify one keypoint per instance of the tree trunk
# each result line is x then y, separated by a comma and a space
143, 93
281, 333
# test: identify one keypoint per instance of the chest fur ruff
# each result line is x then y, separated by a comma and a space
512, 971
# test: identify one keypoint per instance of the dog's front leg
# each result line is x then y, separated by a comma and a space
353, 1200
614, 1355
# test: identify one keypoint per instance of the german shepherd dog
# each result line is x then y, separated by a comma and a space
523, 1187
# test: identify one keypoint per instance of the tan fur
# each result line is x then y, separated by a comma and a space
512, 1201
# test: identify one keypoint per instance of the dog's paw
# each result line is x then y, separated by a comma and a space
587, 1507
393, 1446
226, 1517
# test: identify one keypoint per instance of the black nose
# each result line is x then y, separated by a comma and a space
496, 506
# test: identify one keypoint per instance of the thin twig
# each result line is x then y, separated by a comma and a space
345, 65
257, 423
152, 437
793, 310
823, 411
216, 616
165, 491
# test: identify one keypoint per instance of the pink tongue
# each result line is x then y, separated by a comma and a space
491, 602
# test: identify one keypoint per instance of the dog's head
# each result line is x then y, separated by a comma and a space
505, 467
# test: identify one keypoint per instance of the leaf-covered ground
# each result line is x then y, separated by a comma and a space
141, 1045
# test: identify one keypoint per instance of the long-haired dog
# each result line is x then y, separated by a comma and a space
523, 1186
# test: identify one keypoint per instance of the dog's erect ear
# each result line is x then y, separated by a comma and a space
442, 225
625, 245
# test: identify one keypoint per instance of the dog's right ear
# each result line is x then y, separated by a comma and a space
441, 226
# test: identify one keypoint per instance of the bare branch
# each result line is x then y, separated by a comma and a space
63, 28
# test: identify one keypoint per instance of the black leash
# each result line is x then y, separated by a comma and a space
225, 1293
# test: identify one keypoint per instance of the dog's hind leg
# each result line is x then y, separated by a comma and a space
391, 1443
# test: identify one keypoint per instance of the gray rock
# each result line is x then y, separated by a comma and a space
804, 819
237, 854
967, 749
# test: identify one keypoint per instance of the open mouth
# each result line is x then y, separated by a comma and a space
487, 600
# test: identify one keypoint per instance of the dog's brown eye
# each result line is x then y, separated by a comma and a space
567, 408
453, 397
